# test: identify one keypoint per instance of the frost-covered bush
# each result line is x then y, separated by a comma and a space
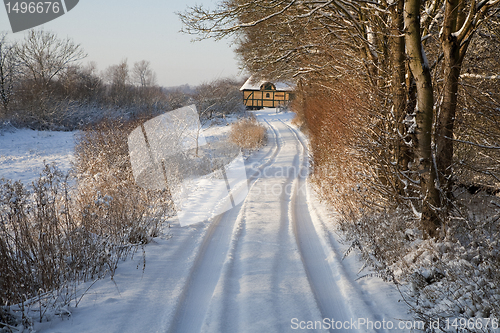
109, 200
36, 237
455, 279
248, 133
45, 249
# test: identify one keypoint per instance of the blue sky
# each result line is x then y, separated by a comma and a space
112, 30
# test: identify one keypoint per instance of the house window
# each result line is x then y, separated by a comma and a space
268, 86
268, 95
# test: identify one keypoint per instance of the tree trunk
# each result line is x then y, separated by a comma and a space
399, 90
445, 127
453, 56
430, 222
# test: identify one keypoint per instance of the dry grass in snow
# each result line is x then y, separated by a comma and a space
248, 133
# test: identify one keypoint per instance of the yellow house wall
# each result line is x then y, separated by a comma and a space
260, 99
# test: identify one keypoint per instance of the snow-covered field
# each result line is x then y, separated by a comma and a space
271, 264
23, 153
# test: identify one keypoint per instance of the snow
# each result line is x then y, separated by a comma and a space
23, 153
252, 84
273, 263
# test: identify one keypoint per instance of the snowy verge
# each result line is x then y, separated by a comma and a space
24, 153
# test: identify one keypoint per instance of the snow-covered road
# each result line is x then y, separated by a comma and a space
261, 264
271, 264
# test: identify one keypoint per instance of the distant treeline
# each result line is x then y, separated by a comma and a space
44, 85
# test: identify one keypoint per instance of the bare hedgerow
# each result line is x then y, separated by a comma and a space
247, 133
44, 249
352, 172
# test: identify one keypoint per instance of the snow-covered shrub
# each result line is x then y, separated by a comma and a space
44, 248
64, 230
248, 133
455, 279
35, 236
109, 201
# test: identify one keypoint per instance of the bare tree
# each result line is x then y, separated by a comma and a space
117, 75
8, 70
43, 56
461, 20
143, 75
424, 113
81, 83
118, 79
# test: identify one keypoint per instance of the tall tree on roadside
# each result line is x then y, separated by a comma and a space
143, 75
118, 79
462, 18
424, 113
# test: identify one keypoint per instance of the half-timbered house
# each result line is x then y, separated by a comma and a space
266, 94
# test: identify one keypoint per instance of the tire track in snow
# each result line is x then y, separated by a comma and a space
256, 272
359, 305
281, 278
150, 298
205, 273
264, 285
321, 278
358, 300
280, 264
225, 286
281, 259
187, 250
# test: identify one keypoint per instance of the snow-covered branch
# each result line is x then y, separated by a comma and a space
479, 76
